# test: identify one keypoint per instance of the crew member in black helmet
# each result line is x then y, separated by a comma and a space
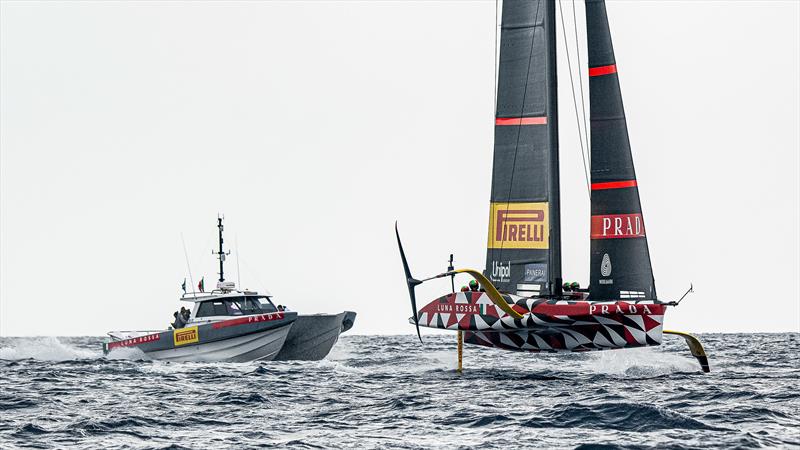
473, 285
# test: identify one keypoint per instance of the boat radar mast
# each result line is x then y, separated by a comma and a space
221, 253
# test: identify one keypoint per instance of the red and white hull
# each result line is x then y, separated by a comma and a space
547, 325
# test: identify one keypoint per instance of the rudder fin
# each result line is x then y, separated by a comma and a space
695, 347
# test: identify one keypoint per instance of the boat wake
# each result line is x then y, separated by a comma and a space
130, 354
43, 349
638, 362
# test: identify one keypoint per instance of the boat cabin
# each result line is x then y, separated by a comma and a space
226, 302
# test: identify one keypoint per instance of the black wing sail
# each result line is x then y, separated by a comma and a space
524, 244
620, 259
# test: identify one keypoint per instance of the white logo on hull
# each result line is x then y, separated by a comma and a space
501, 272
605, 265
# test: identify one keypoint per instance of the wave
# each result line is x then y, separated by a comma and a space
638, 362
43, 349
128, 353
12, 402
620, 416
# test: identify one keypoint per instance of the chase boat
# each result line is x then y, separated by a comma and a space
224, 325
231, 325
313, 336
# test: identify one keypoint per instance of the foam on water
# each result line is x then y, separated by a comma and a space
638, 362
127, 353
43, 349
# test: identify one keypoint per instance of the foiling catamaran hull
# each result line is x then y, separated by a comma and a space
547, 325
247, 338
313, 336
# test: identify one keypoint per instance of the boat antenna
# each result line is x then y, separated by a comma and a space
221, 253
186, 255
238, 271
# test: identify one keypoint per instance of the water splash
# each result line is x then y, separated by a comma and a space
638, 362
43, 349
128, 353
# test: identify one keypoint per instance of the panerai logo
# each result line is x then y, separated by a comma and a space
501, 272
535, 273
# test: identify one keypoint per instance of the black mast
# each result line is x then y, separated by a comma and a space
524, 242
221, 253
620, 258
554, 183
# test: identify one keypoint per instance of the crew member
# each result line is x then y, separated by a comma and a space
473, 285
179, 321
464, 288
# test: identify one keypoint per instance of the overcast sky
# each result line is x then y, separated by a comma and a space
314, 125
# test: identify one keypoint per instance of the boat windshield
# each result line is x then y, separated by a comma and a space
236, 306
266, 304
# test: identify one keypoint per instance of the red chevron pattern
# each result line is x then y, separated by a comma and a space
547, 325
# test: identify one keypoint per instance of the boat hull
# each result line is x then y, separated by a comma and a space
247, 338
547, 325
261, 346
313, 336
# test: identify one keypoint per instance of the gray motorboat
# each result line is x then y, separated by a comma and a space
234, 325
313, 336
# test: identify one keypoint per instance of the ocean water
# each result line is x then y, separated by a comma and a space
392, 392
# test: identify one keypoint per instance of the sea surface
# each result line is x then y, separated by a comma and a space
393, 392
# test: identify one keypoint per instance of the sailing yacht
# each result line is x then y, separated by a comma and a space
523, 304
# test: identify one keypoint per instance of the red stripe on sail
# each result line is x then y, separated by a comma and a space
613, 185
521, 121
602, 70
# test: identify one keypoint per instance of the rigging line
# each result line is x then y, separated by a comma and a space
522, 111
186, 255
575, 101
264, 290
238, 271
580, 82
495, 61
496, 66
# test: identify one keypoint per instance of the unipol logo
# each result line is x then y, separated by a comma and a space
617, 226
518, 225
501, 272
